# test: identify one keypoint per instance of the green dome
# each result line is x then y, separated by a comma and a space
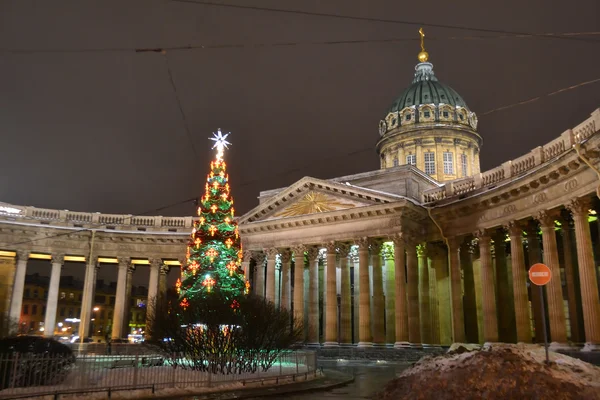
426, 89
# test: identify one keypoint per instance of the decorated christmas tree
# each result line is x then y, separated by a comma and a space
214, 252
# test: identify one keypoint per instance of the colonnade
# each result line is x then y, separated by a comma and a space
465, 288
157, 289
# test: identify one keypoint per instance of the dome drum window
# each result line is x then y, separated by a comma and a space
429, 158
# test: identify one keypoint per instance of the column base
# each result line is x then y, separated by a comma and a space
591, 347
331, 344
554, 346
364, 344
401, 345
379, 345
416, 346
316, 344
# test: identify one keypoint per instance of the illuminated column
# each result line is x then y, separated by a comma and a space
535, 257
313, 296
16, 302
119, 311
490, 320
587, 276
469, 300
400, 298
331, 311
286, 258
365, 336
412, 293
299, 285
345, 297
271, 255
53, 287
424, 306
506, 318
556, 305
456, 296
259, 273
89, 286
390, 295
162, 283
378, 300
152, 303
127, 307
570, 279
247, 256
519, 275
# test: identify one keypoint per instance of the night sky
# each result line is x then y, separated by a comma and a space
102, 130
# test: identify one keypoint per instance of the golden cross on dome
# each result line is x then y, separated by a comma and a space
423, 55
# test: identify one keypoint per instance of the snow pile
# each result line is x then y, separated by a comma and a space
500, 371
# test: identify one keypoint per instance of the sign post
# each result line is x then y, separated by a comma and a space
540, 275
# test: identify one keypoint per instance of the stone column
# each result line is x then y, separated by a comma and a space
535, 256
286, 258
247, 256
162, 284
570, 279
16, 302
313, 297
87, 301
271, 255
390, 295
365, 336
152, 303
345, 297
53, 287
490, 322
299, 285
458, 322
378, 299
519, 275
587, 275
506, 328
556, 305
259, 274
120, 299
424, 306
470, 299
412, 294
127, 310
434, 260
331, 311
400, 298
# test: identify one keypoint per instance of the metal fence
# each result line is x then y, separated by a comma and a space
24, 376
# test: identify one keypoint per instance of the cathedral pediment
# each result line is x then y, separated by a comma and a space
313, 196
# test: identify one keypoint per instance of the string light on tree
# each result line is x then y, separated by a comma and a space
214, 254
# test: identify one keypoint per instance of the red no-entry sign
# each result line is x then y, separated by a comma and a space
540, 274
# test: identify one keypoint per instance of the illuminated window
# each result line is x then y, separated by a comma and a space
448, 163
411, 159
463, 163
430, 163
63, 295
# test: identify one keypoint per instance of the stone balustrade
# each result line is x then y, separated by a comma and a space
514, 168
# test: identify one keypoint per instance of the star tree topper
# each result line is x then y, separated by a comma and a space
220, 143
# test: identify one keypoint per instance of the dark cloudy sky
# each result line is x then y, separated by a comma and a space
102, 131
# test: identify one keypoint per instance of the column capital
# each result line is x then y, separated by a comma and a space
58, 258
164, 269
259, 257
286, 256
363, 243
343, 250
156, 262
299, 250
313, 253
579, 207
331, 247
514, 228
455, 242
399, 238
546, 218
22, 255
271, 253
484, 236
422, 250
375, 246
124, 262
246, 255
130, 269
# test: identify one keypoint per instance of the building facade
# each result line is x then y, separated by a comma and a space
426, 251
